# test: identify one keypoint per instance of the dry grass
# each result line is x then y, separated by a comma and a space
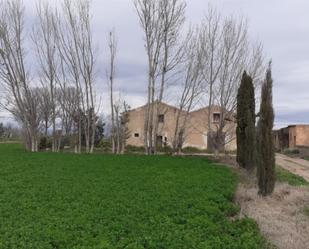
306, 211
281, 216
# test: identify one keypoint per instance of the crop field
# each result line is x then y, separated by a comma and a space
67, 201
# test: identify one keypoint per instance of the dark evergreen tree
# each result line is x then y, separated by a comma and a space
265, 145
99, 132
246, 147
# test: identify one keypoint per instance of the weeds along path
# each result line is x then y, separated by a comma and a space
294, 165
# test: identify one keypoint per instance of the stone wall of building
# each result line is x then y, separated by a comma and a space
292, 137
302, 135
166, 128
196, 127
136, 127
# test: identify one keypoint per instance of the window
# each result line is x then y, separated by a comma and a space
216, 117
159, 141
161, 118
136, 134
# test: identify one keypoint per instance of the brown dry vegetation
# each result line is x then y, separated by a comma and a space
281, 217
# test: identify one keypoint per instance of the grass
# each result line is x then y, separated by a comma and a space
306, 211
292, 179
66, 201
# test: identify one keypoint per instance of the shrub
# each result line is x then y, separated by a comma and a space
135, 149
45, 143
166, 149
291, 151
105, 145
193, 150
66, 142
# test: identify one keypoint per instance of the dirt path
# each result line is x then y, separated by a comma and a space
296, 166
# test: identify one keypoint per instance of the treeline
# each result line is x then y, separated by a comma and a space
62, 96
201, 65
9, 133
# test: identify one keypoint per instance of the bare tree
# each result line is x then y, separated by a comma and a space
238, 56
121, 119
210, 38
227, 52
45, 39
161, 21
46, 107
69, 113
191, 88
77, 50
173, 18
67, 99
151, 23
19, 98
69, 77
117, 126
112, 44
125, 132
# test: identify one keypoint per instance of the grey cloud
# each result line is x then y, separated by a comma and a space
281, 25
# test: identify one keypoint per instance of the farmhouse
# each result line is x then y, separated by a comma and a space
291, 137
196, 124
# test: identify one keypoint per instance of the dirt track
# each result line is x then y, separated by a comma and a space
296, 166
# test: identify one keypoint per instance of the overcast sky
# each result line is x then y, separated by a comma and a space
281, 25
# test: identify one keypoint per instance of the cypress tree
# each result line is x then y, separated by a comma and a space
246, 123
266, 152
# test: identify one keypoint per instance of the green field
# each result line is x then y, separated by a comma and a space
95, 201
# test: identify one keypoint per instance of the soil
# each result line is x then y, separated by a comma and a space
281, 217
294, 165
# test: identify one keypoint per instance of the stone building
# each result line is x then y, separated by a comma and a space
292, 137
196, 133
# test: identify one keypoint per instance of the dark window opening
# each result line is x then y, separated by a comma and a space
161, 118
159, 141
216, 117
136, 134
165, 141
